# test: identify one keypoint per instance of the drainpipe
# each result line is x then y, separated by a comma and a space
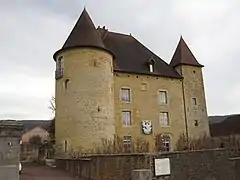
185, 110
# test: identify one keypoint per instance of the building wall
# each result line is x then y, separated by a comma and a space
90, 107
85, 109
194, 88
144, 105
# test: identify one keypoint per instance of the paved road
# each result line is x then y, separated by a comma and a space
43, 173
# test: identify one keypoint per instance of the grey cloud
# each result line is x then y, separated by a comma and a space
33, 30
14, 106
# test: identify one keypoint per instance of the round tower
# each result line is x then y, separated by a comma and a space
84, 90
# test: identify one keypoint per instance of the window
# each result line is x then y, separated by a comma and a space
60, 63
66, 83
59, 68
164, 119
166, 139
127, 143
196, 123
125, 94
65, 146
126, 118
151, 63
151, 67
163, 97
194, 101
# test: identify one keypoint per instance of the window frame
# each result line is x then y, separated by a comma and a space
130, 118
161, 120
130, 94
166, 97
127, 143
196, 123
66, 84
59, 63
151, 68
194, 101
169, 140
65, 144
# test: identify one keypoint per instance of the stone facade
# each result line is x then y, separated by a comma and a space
193, 87
144, 105
85, 106
89, 83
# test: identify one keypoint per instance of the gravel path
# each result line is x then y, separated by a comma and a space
43, 173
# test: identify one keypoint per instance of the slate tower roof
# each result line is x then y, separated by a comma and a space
183, 55
84, 34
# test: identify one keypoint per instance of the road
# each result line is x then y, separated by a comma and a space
35, 172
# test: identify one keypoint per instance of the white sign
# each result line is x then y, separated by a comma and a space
147, 127
162, 167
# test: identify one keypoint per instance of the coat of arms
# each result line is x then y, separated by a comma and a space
147, 127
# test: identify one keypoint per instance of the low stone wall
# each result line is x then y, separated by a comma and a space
117, 167
197, 165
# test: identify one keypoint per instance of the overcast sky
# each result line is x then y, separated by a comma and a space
31, 31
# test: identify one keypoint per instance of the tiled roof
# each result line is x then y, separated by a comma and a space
84, 34
183, 55
131, 56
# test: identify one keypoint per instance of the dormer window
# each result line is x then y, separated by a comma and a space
151, 67
151, 63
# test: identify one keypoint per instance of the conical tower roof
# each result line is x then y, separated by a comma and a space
84, 34
183, 55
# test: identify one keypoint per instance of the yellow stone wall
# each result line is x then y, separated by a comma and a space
194, 88
85, 110
90, 108
144, 105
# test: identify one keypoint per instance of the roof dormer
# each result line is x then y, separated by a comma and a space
151, 62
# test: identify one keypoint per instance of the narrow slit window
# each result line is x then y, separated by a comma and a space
67, 83
194, 101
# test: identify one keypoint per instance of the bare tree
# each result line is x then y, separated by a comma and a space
53, 104
51, 128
